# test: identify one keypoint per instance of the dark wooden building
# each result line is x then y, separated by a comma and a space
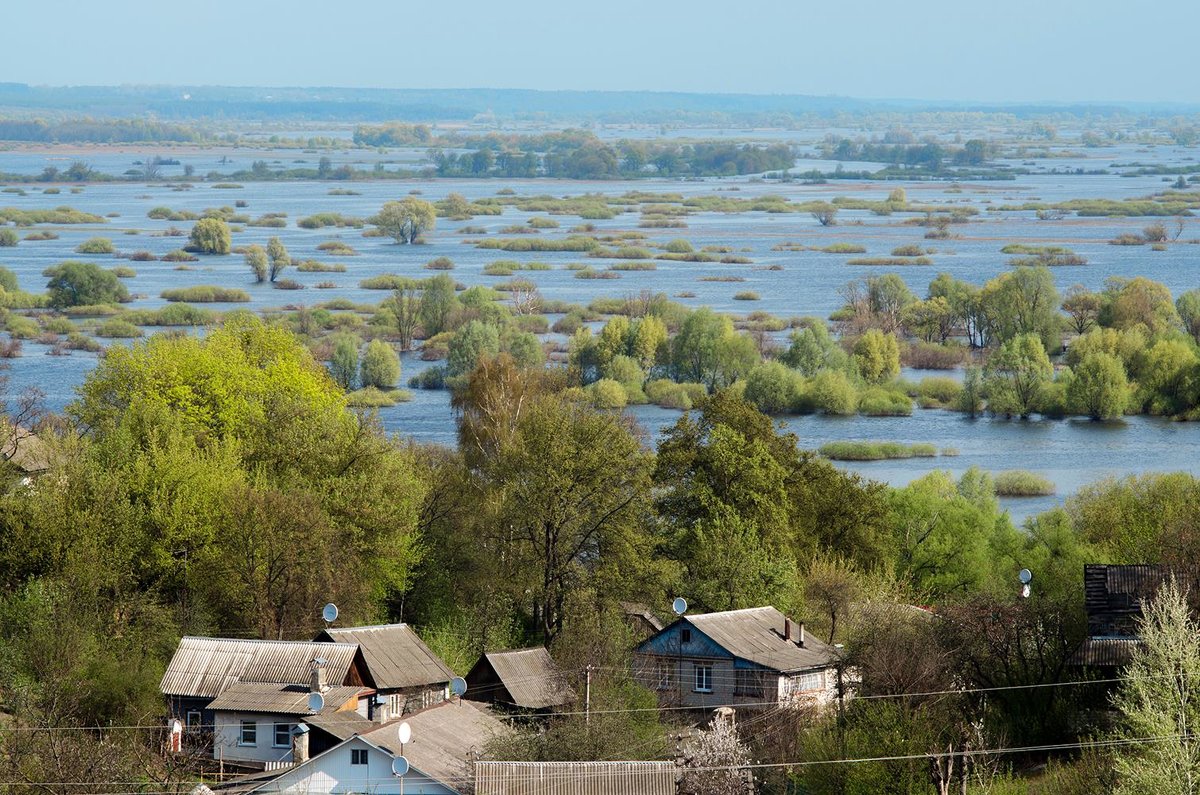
1113, 598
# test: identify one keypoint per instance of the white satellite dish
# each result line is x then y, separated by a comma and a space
316, 702
399, 766
329, 612
404, 732
1025, 576
458, 686
679, 605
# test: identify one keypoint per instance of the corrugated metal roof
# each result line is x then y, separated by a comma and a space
279, 698
575, 778
1105, 652
341, 725
636, 610
756, 634
206, 667
395, 657
531, 678
444, 739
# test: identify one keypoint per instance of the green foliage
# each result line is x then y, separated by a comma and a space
83, 283
831, 392
95, 245
206, 294
116, 327
1017, 375
1022, 483
8, 238
380, 366
877, 356
256, 261
343, 364
772, 388
211, 236
608, 394
8, 280
471, 343
277, 253
405, 220
1099, 388
876, 451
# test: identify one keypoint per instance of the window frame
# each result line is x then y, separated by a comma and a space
664, 675
194, 719
685, 635
359, 756
287, 727
749, 682
702, 673
252, 726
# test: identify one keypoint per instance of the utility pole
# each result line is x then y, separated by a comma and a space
587, 697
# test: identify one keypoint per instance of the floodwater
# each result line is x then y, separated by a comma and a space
1069, 452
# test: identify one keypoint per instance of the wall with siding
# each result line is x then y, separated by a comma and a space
227, 732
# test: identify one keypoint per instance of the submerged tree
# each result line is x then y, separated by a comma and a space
405, 220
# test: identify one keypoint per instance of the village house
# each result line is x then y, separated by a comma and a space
446, 740
1113, 600
524, 679
749, 658
398, 665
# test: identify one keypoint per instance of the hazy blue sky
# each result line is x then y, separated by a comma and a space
1014, 50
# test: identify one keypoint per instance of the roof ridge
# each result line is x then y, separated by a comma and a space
369, 626
264, 640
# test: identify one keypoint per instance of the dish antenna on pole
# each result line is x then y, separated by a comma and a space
329, 612
404, 733
1026, 577
679, 605
399, 766
316, 702
458, 686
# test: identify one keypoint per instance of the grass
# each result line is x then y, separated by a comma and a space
179, 255
374, 398
876, 451
314, 266
385, 281
747, 295
1022, 483
908, 250
95, 245
123, 272
118, 328
889, 262
206, 294
337, 247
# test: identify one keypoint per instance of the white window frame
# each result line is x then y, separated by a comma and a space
664, 676
252, 726
358, 756
810, 682
287, 730
702, 677
193, 719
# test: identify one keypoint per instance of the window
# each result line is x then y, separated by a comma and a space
192, 721
283, 735
249, 734
813, 681
663, 675
748, 683
685, 636
703, 674
358, 756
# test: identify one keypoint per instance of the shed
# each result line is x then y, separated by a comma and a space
523, 678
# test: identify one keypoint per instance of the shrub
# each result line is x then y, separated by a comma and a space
83, 283
440, 264
124, 272
45, 235
746, 295
1022, 483
542, 222
385, 281
380, 366
95, 245
206, 294
878, 401
20, 327
116, 327
373, 398
875, 451
315, 266
943, 390
680, 246
179, 255
287, 284
8, 280
608, 394
931, 356
908, 250
337, 247
830, 391
772, 387
8, 238
211, 236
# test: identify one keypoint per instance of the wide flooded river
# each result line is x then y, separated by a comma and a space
1070, 452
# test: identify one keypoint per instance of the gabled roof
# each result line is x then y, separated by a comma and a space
341, 725
576, 778
1105, 652
207, 667
530, 676
394, 655
756, 634
638, 610
445, 739
279, 698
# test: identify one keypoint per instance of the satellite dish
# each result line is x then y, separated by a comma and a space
399, 766
329, 612
679, 605
1025, 576
404, 732
316, 702
458, 686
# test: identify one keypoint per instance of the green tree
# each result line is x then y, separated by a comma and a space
405, 220
470, 344
406, 308
84, 284
813, 348
256, 260
1017, 375
1023, 301
1099, 387
343, 365
1083, 306
1159, 697
1170, 380
279, 257
438, 301
1188, 307
877, 356
649, 340
1130, 302
771, 388
970, 399
380, 366
211, 236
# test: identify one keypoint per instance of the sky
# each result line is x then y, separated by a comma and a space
1009, 51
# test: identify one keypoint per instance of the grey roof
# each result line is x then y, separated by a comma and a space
342, 725
638, 610
206, 667
1113, 652
756, 634
279, 698
444, 739
530, 676
572, 778
394, 655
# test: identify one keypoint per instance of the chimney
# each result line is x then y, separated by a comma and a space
800, 636
299, 744
787, 628
316, 682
